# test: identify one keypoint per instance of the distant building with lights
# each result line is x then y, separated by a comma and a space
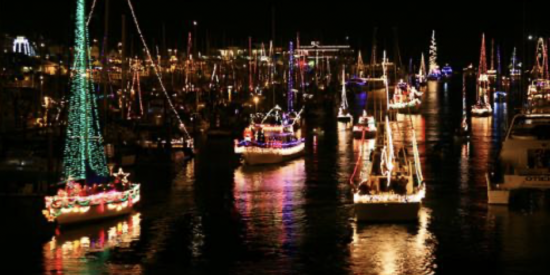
21, 45
316, 50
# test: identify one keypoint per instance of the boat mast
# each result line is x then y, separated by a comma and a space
290, 77
387, 150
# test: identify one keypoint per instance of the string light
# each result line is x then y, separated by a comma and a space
155, 69
84, 145
91, 13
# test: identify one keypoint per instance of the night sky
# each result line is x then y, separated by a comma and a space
458, 25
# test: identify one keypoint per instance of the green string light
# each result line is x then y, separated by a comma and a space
84, 154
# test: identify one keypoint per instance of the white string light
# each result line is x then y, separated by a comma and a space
155, 69
91, 13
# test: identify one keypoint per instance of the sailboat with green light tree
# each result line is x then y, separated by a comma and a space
89, 190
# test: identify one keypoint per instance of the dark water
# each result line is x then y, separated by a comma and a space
213, 216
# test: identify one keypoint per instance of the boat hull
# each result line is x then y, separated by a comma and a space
346, 119
96, 212
387, 212
273, 156
368, 134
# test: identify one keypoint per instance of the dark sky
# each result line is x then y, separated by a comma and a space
459, 24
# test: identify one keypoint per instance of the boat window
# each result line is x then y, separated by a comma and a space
538, 159
531, 129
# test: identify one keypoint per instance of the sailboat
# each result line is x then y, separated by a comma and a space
275, 137
344, 114
483, 106
395, 186
89, 190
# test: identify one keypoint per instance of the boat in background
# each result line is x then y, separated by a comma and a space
524, 160
365, 127
344, 114
276, 138
483, 107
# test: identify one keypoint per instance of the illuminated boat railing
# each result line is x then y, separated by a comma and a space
113, 200
271, 145
409, 104
389, 197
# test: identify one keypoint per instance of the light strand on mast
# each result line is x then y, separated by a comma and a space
155, 69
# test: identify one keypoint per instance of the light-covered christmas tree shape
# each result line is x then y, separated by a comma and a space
482, 59
422, 70
360, 65
84, 156
434, 68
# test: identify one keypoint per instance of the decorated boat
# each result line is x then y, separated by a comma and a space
406, 99
89, 190
276, 138
394, 188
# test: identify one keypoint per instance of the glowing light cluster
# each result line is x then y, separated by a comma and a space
83, 154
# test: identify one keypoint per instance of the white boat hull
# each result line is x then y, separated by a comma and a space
387, 212
500, 193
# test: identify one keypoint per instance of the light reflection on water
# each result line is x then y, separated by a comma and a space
269, 199
87, 249
388, 249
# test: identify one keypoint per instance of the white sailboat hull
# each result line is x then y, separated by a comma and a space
259, 156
